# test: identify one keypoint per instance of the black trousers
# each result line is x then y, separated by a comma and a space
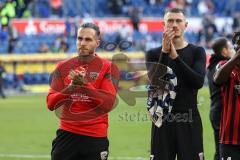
215, 117
229, 152
180, 137
70, 146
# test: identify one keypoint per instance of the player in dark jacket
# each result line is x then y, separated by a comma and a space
223, 50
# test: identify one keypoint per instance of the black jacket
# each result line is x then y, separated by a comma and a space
215, 90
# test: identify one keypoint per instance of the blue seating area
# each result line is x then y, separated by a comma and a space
15, 81
36, 78
11, 81
31, 44
4, 46
92, 7
100, 8
148, 10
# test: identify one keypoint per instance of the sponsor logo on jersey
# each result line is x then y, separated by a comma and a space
93, 75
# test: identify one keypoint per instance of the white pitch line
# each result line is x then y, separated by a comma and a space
27, 156
24, 156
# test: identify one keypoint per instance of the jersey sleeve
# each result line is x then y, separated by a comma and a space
56, 91
195, 74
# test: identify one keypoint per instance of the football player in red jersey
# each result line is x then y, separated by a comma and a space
228, 76
82, 91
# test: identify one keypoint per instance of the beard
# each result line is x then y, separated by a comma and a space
85, 53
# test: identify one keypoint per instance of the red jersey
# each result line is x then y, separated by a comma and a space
230, 119
83, 109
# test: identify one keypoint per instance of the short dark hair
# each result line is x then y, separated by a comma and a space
175, 10
218, 45
91, 25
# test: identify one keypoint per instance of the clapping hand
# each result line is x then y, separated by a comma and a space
77, 77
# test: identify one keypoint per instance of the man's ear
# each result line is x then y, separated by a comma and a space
98, 42
164, 26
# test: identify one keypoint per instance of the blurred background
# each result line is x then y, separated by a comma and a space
36, 34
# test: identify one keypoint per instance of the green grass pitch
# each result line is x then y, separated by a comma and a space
27, 128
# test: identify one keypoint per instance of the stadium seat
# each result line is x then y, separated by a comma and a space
45, 78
